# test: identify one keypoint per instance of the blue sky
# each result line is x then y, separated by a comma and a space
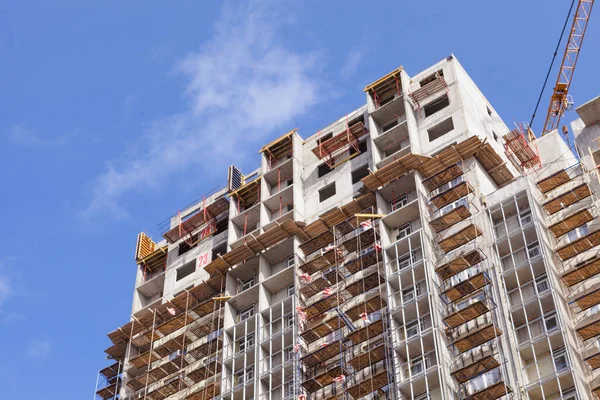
115, 115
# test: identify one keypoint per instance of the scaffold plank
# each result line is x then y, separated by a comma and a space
477, 368
368, 358
466, 287
571, 222
460, 238
472, 339
459, 264
578, 246
564, 200
450, 218
323, 353
451, 195
553, 181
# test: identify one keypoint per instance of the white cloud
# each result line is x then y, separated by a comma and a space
351, 63
6, 289
21, 135
39, 349
244, 87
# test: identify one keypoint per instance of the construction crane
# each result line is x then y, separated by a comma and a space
560, 101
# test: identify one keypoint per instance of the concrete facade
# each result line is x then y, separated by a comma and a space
419, 259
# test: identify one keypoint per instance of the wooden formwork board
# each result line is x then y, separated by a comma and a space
326, 378
364, 240
588, 299
324, 304
365, 284
255, 245
207, 392
370, 305
196, 221
589, 330
362, 262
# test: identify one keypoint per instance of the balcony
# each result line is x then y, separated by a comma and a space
393, 142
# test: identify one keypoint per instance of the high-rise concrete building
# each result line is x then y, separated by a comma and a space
416, 248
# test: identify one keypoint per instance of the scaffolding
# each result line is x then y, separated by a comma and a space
524, 154
385, 89
344, 325
434, 85
328, 149
443, 164
171, 348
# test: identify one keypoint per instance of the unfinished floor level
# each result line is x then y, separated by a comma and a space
415, 248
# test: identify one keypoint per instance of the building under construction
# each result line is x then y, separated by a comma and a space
416, 248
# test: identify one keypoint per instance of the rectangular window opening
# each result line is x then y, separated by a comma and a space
324, 138
437, 105
440, 129
323, 170
362, 147
326, 192
186, 270
360, 173
431, 78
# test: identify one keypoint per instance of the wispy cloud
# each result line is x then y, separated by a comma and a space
39, 349
22, 135
243, 86
351, 63
6, 289
128, 103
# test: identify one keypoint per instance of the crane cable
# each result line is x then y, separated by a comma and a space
552, 62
